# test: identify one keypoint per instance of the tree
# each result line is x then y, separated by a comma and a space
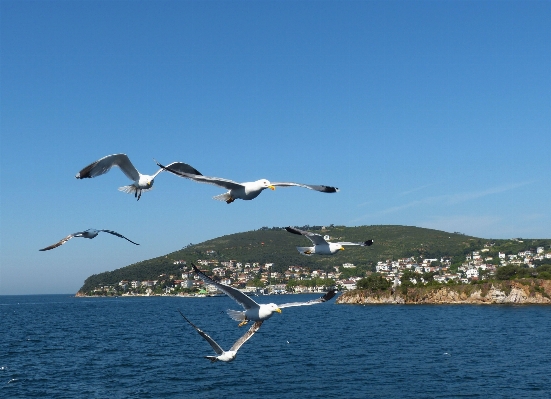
374, 282
507, 272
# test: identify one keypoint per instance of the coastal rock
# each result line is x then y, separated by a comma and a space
507, 292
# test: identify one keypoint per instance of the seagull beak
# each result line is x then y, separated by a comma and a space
271, 187
278, 310
341, 248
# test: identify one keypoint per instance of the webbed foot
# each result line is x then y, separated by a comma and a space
243, 323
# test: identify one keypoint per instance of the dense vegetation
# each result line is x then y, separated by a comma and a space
275, 245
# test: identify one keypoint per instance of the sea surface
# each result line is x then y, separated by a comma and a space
59, 346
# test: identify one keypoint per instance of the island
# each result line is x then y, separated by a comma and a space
405, 264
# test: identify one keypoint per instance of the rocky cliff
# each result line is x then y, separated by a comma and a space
503, 292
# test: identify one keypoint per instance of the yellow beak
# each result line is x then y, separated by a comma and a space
278, 310
271, 187
341, 248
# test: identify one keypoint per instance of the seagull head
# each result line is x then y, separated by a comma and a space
146, 182
334, 248
266, 184
274, 308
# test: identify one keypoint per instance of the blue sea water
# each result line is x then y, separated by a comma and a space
58, 346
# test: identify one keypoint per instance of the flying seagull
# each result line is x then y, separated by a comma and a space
140, 182
321, 245
90, 233
244, 191
221, 354
253, 310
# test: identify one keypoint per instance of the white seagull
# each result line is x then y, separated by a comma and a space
221, 354
244, 191
253, 310
140, 182
90, 233
321, 245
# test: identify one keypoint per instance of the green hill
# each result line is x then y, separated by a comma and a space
277, 246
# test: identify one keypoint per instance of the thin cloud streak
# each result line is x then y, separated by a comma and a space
447, 199
413, 190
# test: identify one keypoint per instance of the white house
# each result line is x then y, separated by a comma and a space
472, 273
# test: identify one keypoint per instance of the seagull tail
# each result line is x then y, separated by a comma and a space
222, 197
131, 189
128, 189
212, 358
237, 315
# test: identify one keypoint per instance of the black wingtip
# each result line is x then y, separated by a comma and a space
368, 243
329, 295
195, 268
329, 189
291, 230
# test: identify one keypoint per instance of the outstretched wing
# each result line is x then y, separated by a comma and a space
104, 164
207, 338
325, 298
363, 244
181, 167
323, 189
254, 328
57, 244
217, 181
233, 293
119, 235
315, 238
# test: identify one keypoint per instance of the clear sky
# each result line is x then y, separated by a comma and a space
434, 114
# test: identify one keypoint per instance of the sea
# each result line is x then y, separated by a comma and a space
60, 346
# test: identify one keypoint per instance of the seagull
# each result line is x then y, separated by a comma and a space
222, 355
253, 310
321, 245
90, 233
140, 182
244, 191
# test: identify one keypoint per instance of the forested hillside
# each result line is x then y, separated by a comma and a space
277, 246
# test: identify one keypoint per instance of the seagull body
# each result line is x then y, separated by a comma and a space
140, 182
221, 354
244, 191
321, 245
254, 311
90, 233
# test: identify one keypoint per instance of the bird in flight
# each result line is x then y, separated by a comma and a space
140, 182
221, 354
244, 191
254, 311
321, 245
90, 233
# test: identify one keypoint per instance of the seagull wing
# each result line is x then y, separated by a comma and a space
325, 298
119, 235
207, 338
363, 244
103, 166
254, 328
181, 167
315, 238
323, 189
61, 242
217, 181
233, 293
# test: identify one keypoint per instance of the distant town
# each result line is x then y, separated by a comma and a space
261, 279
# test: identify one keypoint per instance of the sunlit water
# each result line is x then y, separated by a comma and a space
57, 346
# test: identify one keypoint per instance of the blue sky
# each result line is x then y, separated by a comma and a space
434, 114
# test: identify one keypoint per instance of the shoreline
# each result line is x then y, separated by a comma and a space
530, 292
